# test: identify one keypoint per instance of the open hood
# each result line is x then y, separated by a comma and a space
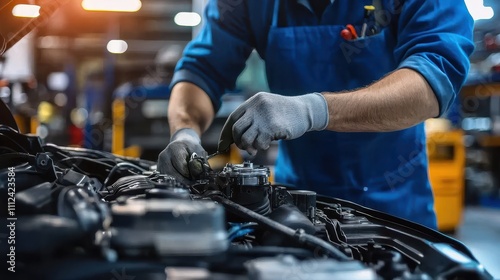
13, 29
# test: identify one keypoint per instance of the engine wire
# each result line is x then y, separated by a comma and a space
118, 166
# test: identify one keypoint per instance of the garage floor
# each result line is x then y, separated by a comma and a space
480, 231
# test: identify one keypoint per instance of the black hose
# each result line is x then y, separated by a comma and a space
298, 235
80, 151
118, 166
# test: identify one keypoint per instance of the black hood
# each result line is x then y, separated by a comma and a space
14, 29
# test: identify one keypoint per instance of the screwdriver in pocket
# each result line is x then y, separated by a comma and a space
368, 10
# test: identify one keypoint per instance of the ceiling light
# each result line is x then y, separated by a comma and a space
112, 5
117, 46
478, 10
25, 10
187, 19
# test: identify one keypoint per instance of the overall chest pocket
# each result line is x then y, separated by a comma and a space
365, 60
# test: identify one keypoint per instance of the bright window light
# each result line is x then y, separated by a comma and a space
187, 19
25, 10
112, 5
117, 46
478, 10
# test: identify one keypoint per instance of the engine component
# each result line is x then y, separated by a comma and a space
13, 141
305, 201
298, 236
175, 193
290, 216
82, 205
169, 227
35, 200
98, 212
143, 184
73, 178
248, 186
52, 233
288, 267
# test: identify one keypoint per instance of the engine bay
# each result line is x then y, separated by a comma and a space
87, 214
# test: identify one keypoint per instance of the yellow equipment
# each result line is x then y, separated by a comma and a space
447, 175
25, 124
118, 140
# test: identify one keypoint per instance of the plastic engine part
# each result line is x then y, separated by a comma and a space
173, 227
288, 267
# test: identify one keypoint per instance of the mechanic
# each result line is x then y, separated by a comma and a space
348, 110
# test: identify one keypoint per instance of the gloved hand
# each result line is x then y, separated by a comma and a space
266, 117
174, 159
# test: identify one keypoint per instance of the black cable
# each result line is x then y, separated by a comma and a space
15, 158
79, 151
298, 235
92, 173
55, 149
107, 160
86, 159
100, 155
122, 187
118, 166
57, 155
63, 155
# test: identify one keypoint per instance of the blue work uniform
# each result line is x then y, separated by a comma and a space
305, 53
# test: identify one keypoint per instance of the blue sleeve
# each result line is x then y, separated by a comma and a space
216, 57
435, 39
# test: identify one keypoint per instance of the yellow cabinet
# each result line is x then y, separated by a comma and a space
446, 153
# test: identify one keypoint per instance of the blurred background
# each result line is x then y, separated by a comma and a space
95, 74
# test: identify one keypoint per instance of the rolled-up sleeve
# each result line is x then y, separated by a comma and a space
435, 39
215, 58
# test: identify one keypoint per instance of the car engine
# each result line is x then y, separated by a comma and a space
87, 214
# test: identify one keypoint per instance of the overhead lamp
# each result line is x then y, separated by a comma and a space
187, 19
112, 5
117, 46
478, 10
26, 10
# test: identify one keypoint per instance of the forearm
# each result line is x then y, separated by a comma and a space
189, 107
398, 101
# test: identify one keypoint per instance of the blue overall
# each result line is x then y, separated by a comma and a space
304, 54
384, 171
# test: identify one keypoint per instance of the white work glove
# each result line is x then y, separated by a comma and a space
174, 159
266, 117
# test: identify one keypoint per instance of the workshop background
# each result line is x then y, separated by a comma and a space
96, 75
